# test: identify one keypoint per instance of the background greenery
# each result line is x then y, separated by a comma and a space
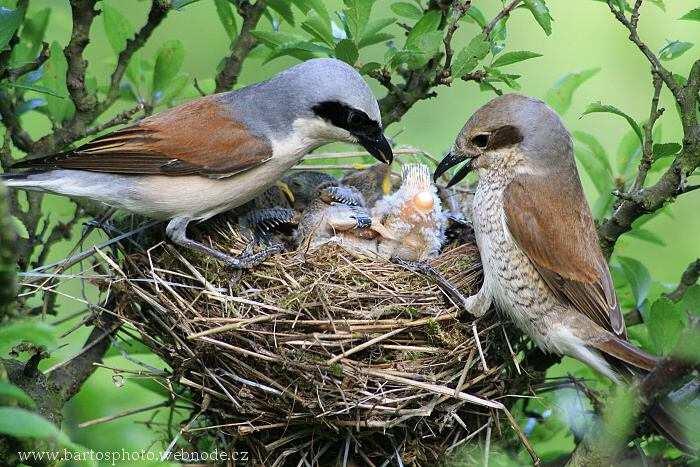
584, 36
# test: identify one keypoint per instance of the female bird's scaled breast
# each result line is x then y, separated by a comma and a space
509, 276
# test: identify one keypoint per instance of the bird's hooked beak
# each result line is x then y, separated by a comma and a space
451, 159
376, 144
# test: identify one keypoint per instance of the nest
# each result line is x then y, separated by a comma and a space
324, 356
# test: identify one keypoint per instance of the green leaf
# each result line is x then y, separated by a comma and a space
406, 10
10, 20
597, 107
319, 28
32, 35
319, 7
692, 15
117, 28
541, 13
370, 67
629, 151
690, 302
356, 16
283, 8
514, 57
638, 278
13, 393
602, 205
54, 79
428, 23
474, 14
509, 80
176, 88
179, 4
373, 34
662, 150
647, 236
592, 143
20, 423
303, 50
169, 60
35, 332
665, 321
468, 58
274, 39
597, 172
227, 17
659, 3
34, 87
346, 51
559, 96
674, 49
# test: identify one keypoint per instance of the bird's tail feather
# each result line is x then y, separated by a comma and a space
626, 353
28, 180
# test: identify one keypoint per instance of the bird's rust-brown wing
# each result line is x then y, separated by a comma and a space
196, 138
554, 227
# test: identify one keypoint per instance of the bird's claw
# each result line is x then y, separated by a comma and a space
362, 222
348, 196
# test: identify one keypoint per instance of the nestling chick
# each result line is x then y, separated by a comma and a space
373, 182
338, 215
413, 216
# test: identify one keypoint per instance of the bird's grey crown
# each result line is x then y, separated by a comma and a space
270, 108
544, 136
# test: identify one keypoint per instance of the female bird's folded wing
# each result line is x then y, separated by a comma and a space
554, 227
196, 138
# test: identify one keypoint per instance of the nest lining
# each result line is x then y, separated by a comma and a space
308, 350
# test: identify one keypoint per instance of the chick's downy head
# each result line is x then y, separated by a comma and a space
414, 216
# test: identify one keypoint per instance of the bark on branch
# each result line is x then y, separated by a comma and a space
240, 46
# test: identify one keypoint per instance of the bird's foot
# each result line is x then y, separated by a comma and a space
342, 195
263, 222
362, 221
248, 259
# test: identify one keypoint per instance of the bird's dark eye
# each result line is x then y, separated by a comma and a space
355, 119
481, 141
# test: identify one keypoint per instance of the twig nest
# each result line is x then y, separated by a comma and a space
310, 355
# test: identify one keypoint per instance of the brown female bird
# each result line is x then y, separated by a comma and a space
542, 263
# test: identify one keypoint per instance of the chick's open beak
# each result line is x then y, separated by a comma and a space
377, 145
451, 159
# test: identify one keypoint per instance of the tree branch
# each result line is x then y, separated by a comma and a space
83, 14
7, 257
639, 200
13, 73
241, 46
688, 279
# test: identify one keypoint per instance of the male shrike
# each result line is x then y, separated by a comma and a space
217, 152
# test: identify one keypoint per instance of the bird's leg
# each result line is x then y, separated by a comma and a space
176, 231
262, 221
476, 304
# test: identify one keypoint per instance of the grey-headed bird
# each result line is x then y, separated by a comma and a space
542, 263
215, 153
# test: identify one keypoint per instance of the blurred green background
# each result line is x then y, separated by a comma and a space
585, 35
